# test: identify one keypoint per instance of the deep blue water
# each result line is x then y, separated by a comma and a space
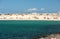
27, 29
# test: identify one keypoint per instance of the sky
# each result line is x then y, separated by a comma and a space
17, 6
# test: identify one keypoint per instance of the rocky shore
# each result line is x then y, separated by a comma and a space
51, 36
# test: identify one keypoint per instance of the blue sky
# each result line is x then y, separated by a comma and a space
16, 6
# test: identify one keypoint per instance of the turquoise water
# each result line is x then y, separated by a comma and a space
27, 29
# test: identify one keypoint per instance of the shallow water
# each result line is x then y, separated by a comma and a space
27, 29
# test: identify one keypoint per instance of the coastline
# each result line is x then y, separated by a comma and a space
27, 20
33, 16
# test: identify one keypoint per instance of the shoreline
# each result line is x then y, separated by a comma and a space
27, 20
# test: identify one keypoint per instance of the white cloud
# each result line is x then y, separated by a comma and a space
32, 9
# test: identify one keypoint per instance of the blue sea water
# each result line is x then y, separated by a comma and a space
27, 29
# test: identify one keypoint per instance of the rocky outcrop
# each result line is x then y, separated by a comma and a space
51, 36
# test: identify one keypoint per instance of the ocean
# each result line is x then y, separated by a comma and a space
27, 29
